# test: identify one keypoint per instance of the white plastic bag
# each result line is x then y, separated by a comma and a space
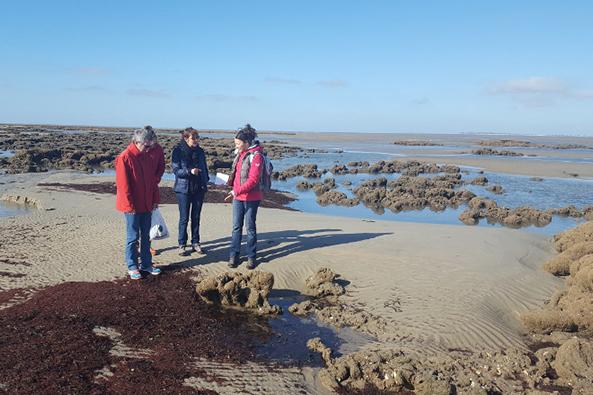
158, 228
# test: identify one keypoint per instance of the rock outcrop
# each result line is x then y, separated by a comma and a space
247, 290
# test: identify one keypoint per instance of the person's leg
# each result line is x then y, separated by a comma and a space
145, 255
250, 216
183, 204
132, 235
238, 214
197, 199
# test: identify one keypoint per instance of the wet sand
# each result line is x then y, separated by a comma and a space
437, 287
528, 167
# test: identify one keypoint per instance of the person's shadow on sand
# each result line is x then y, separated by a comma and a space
274, 245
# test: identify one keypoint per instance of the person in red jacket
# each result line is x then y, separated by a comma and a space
138, 171
246, 194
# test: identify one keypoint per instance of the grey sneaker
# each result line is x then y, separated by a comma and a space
197, 248
251, 263
233, 262
183, 251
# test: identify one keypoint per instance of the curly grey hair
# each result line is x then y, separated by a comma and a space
143, 135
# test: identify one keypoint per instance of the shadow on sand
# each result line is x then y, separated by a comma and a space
273, 245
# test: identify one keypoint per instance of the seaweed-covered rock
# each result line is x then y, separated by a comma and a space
568, 211
574, 361
480, 180
308, 170
302, 308
560, 264
322, 283
570, 237
490, 151
336, 197
248, 290
496, 189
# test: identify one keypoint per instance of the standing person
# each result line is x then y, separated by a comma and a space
191, 184
246, 194
137, 174
158, 157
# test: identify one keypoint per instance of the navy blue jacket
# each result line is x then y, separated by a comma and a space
184, 159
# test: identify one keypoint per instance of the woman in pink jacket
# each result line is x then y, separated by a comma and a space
246, 193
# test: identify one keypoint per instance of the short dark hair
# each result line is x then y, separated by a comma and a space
246, 133
185, 133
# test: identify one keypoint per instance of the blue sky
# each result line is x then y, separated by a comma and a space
353, 66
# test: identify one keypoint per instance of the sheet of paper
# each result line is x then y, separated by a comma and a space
221, 179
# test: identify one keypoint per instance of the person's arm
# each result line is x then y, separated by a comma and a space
122, 184
179, 169
206, 172
160, 170
253, 176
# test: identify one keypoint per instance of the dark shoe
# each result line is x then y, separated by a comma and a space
251, 263
155, 271
233, 262
183, 251
197, 248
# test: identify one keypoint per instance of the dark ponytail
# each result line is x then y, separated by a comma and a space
246, 133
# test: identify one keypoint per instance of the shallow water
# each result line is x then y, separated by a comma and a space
519, 191
291, 333
12, 210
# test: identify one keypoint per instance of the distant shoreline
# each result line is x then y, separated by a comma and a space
294, 132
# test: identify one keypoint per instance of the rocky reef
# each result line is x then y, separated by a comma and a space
235, 289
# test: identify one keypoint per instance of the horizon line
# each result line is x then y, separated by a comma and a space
280, 131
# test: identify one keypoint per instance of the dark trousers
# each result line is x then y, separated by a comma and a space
244, 212
190, 207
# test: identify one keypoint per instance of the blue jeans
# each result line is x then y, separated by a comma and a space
189, 205
138, 228
244, 211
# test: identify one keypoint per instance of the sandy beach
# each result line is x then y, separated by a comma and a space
437, 287
413, 183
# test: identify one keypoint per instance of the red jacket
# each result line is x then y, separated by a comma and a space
137, 177
249, 190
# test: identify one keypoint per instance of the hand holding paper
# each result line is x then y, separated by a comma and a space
221, 179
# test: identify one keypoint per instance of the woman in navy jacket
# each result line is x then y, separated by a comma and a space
191, 184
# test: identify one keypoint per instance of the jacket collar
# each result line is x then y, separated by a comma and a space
253, 148
133, 149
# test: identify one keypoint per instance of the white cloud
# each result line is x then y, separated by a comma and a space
584, 94
540, 91
531, 85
